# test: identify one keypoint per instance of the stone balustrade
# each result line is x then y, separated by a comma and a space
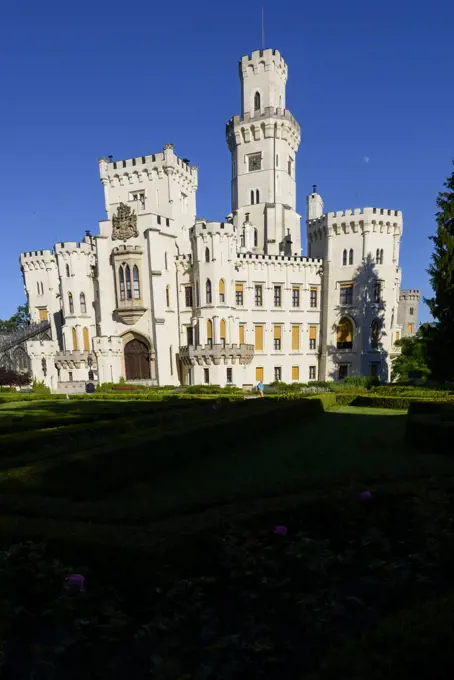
191, 355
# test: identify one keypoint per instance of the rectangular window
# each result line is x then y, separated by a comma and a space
158, 219
239, 294
295, 372
259, 374
295, 338
313, 298
184, 203
70, 376
259, 338
312, 372
277, 337
138, 196
412, 311
43, 315
277, 373
258, 291
242, 334
188, 296
346, 294
290, 166
410, 329
343, 371
312, 337
254, 162
277, 296
377, 291
206, 376
397, 335
295, 296
229, 376
189, 335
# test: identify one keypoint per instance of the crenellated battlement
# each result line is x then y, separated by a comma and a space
280, 262
266, 60
202, 227
266, 124
410, 294
125, 249
148, 168
384, 221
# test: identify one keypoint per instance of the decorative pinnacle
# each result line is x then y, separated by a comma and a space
314, 188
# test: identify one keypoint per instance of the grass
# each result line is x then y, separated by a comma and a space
186, 564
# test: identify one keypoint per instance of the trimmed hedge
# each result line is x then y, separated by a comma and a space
429, 433
95, 473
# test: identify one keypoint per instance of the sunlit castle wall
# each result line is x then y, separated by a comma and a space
361, 283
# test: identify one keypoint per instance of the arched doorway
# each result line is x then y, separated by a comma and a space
137, 360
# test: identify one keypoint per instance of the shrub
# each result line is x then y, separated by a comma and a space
366, 381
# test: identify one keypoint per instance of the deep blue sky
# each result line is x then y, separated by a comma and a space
79, 80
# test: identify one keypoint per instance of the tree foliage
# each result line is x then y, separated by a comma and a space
11, 378
414, 355
19, 320
441, 272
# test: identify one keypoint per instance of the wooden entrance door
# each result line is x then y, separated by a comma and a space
137, 361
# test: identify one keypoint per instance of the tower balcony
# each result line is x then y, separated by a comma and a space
205, 355
74, 359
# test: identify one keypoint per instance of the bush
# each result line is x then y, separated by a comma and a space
366, 381
430, 433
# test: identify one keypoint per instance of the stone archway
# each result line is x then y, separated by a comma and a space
137, 360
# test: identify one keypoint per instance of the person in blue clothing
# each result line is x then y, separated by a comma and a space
260, 388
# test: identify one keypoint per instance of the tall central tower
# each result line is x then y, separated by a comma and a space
263, 142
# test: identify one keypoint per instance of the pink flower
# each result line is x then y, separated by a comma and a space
75, 581
280, 530
365, 496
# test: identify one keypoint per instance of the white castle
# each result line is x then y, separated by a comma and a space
167, 298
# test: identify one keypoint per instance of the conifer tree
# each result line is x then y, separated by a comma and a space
441, 272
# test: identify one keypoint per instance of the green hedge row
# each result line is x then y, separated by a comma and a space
93, 474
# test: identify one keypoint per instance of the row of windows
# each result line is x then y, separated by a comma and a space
258, 295
40, 287
346, 293
348, 256
192, 335
260, 374
83, 304
85, 340
344, 333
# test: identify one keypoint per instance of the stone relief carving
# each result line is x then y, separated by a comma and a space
124, 223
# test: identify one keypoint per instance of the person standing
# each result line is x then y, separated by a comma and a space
260, 388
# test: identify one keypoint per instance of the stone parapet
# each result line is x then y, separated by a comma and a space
191, 355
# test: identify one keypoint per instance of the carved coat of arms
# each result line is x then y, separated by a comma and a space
124, 223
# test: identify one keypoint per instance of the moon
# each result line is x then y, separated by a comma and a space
366, 159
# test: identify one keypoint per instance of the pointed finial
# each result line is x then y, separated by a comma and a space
314, 188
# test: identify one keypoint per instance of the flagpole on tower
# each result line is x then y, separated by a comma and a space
263, 28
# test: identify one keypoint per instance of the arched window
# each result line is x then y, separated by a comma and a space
67, 270
257, 196
257, 101
207, 254
37, 285
209, 332
350, 256
128, 283
86, 337
208, 294
379, 256
75, 345
121, 276
136, 282
344, 257
252, 196
168, 296
165, 261
256, 238
223, 332
221, 291
375, 333
344, 334
71, 303
83, 304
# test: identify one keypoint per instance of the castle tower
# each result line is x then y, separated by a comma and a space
263, 142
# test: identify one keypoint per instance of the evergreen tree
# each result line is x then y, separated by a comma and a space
441, 272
